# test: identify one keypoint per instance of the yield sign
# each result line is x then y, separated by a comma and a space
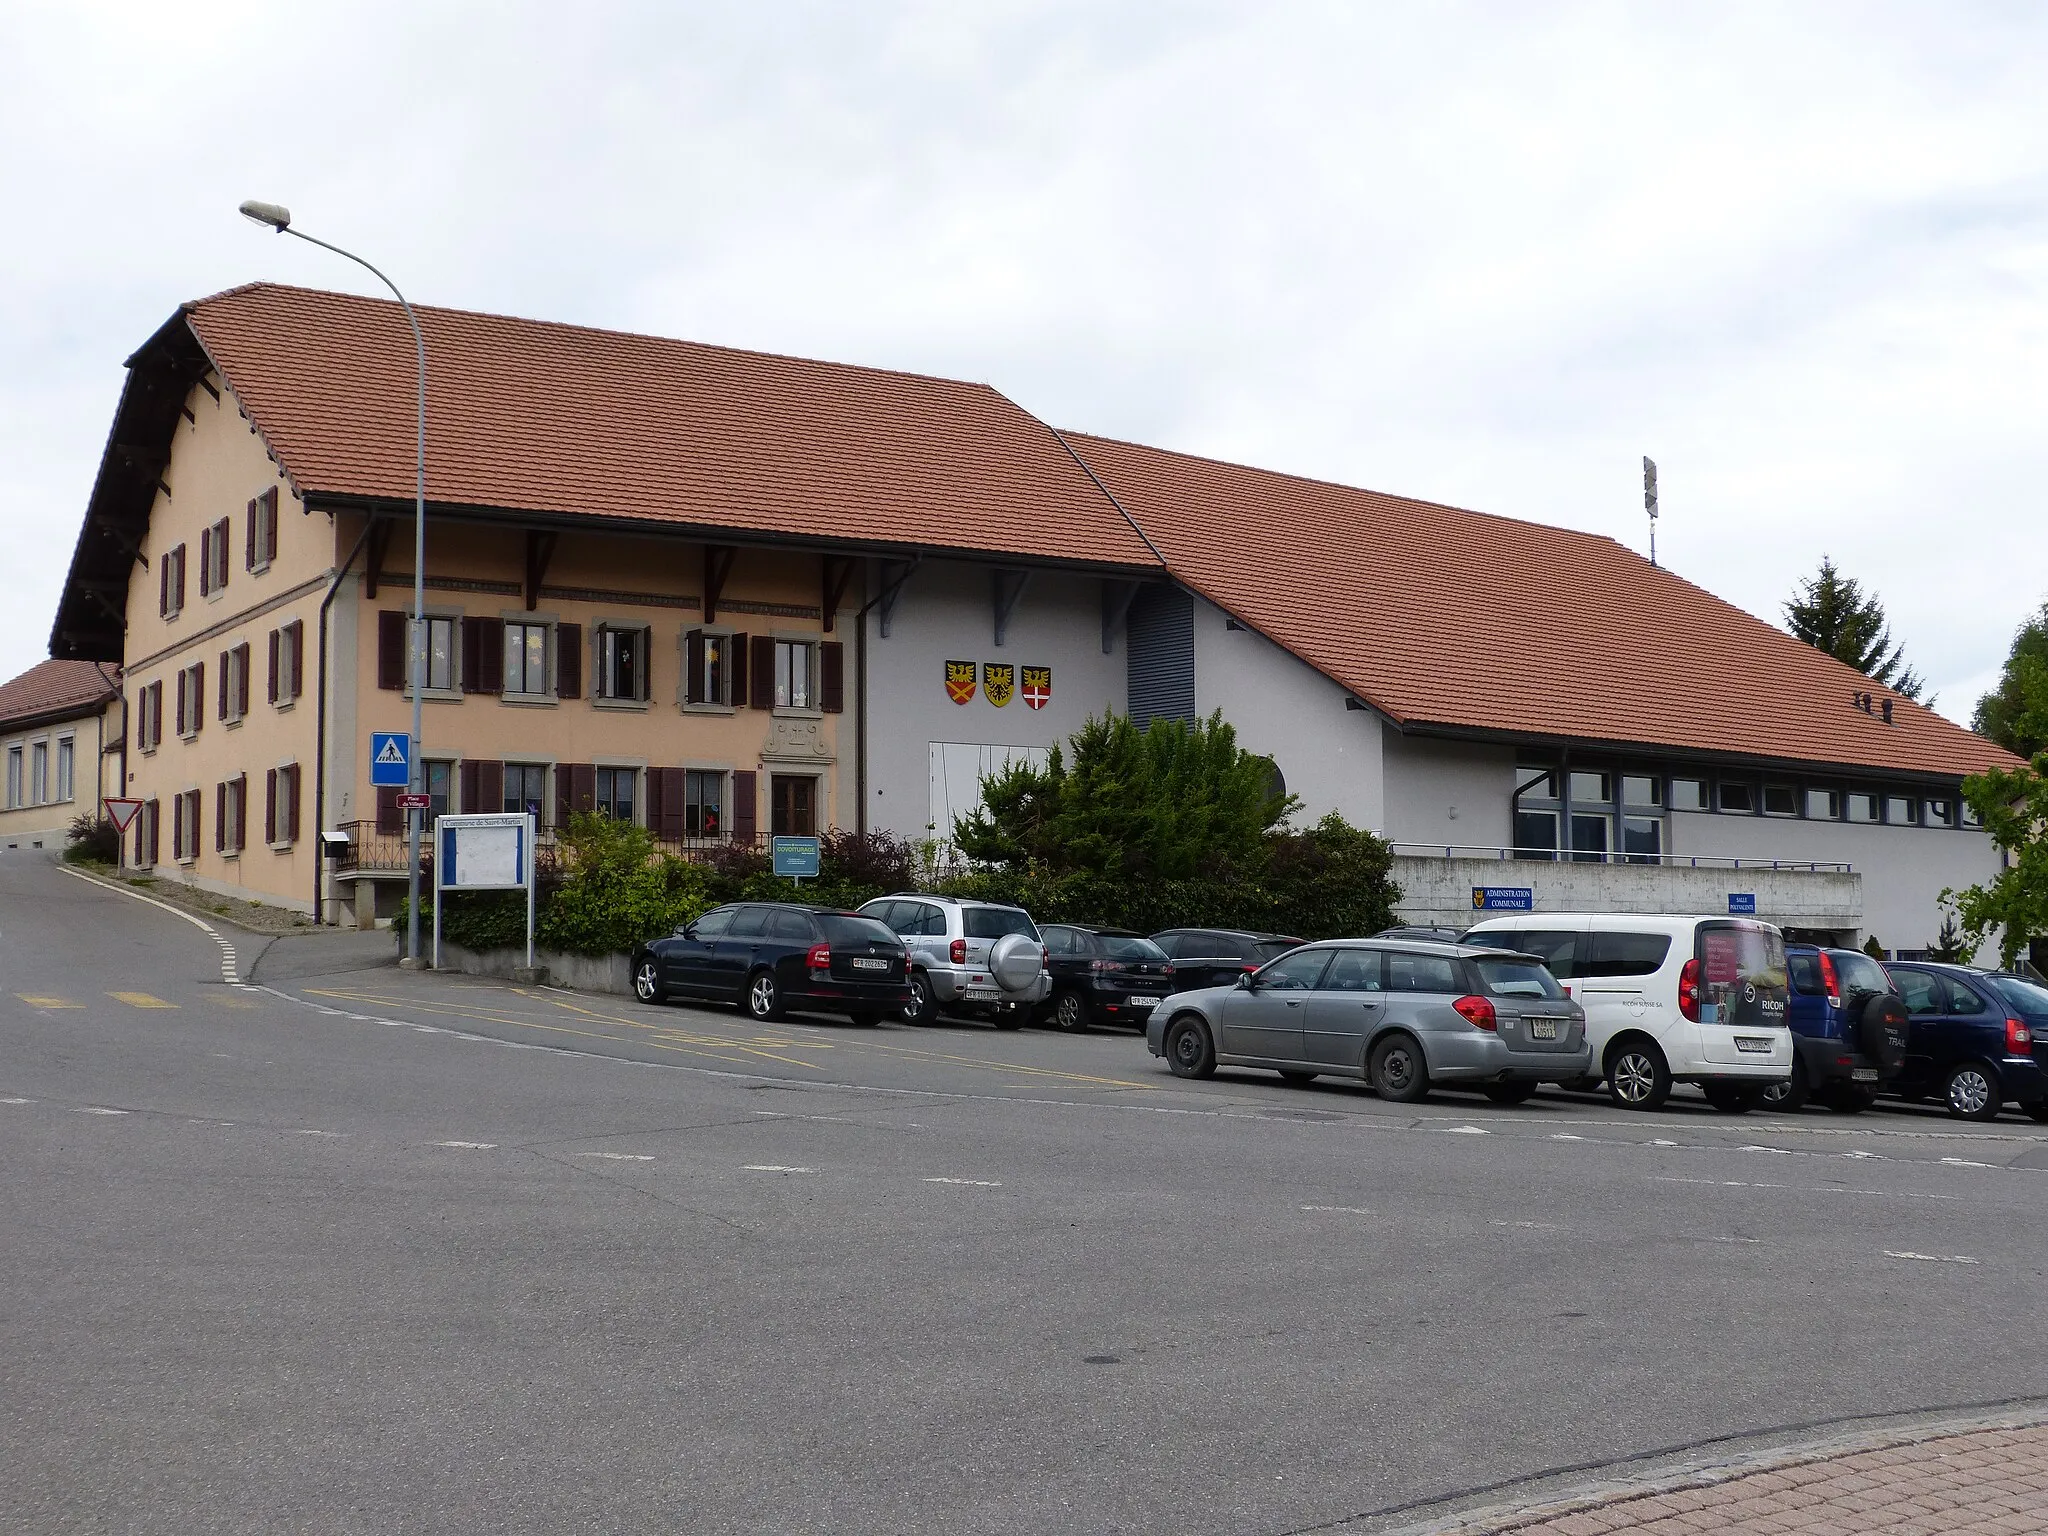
123, 813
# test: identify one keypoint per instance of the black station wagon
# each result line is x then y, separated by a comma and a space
770, 957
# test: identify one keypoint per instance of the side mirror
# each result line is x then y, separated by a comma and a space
687, 931
1244, 981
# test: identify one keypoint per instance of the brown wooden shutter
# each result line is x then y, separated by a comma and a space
184, 682
693, 667
761, 673
745, 817
565, 796
178, 581
270, 522
241, 810
276, 648
390, 648
227, 697
205, 561
270, 806
832, 677
735, 671
491, 661
674, 823
296, 634
220, 817
389, 818
242, 679
163, 608
654, 802
583, 776
198, 696
291, 808
466, 777
249, 535
472, 655
490, 785
568, 661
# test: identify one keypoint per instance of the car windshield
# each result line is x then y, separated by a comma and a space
1119, 947
2022, 995
1511, 976
841, 928
1859, 973
994, 922
1273, 949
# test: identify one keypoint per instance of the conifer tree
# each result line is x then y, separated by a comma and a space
1832, 613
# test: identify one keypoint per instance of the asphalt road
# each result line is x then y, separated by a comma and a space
354, 1250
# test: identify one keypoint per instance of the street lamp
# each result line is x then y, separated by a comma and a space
280, 219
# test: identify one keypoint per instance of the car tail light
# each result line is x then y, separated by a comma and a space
959, 951
1102, 967
2018, 1038
1828, 979
1689, 991
1044, 958
1477, 1012
820, 957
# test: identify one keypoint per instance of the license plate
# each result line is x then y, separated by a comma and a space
1863, 1075
1543, 1029
983, 994
1753, 1045
1142, 1002
864, 963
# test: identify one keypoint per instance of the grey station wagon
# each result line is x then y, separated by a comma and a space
1403, 1016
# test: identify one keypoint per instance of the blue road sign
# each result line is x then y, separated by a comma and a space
794, 857
1742, 904
390, 759
1503, 898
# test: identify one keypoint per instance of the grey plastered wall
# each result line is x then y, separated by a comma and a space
1448, 792
945, 612
1285, 709
1904, 869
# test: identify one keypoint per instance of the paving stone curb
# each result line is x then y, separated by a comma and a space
1503, 1510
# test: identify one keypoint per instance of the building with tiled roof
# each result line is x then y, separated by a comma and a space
58, 721
729, 594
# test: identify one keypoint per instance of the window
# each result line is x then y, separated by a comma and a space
281, 806
1298, 972
64, 768
711, 663
749, 923
1355, 970
1063, 941
1900, 810
924, 920
1940, 813
288, 661
792, 807
260, 548
526, 657
790, 927
234, 683
146, 835
13, 777
1970, 816
1535, 783
1963, 999
615, 788
1625, 954
1862, 806
793, 669
185, 826
1738, 798
1424, 973
1508, 977
1781, 800
191, 699
1641, 789
440, 785
149, 717
526, 788
1920, 990
1556, 950
170, 572
621, 663
1590, 838
441, 657
703, 803
713, 924
1642, 839
1535, 834
1592, 788
213, 558
230, 814
1824, 804
1688, 794
986, 922
39, 773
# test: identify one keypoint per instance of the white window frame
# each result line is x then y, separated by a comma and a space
17, 776
424, 631
723, 778
39, 772
784, 694
633, 774
547, 657
722, 702
605, 638
67, 769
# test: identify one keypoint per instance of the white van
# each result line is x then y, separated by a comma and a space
1667, 999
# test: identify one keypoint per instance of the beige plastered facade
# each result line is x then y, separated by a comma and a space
219, 464
94, 737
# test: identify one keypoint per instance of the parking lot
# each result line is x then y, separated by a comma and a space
356, 1249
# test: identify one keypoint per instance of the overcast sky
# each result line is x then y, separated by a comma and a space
1482, 254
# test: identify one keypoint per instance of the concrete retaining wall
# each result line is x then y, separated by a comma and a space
608, 973
1440, 890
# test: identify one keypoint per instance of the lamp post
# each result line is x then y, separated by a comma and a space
280, 219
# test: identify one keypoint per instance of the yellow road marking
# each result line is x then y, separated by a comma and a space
140, 1000
35, 1001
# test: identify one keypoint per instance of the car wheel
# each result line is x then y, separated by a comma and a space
1637, 1077
2038, 1110
1070, 1011
1510, 1093
1733, 1098
920, 1009
1295, 1079
1399, 1073
764, 996
1973, 1092
1789, 1096
1189, 1050
647, 981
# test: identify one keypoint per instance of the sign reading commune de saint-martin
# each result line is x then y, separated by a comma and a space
1503, 898
390, 759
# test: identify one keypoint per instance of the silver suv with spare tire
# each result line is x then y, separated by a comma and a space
978, 959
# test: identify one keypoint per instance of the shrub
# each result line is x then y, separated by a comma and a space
616, 891
94, 840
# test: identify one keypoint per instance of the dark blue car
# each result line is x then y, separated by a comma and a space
1849, 1029
1979, 1039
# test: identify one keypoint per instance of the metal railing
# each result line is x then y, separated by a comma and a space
375, 850
1667, 860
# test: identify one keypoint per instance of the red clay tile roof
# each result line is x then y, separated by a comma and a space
1451, 619
51, 688
532, 416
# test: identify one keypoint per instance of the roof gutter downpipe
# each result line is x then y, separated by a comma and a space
320, 732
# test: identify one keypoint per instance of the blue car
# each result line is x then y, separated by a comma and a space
1979, 1039
1849, 1029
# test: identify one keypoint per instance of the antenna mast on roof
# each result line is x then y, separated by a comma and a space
1650, 501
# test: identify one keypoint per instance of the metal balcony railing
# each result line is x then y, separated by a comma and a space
1668, 860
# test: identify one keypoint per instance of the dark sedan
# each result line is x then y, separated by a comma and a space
1216, 957
1974, 1039
773, 956
1107, 974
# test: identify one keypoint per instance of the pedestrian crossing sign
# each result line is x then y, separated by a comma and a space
390, 759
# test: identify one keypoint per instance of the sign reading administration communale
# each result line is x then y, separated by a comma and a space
1503, 898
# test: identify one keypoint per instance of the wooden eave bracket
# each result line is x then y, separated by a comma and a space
894, 574
1117, 597
837, 573
718, 559
1005, 588
540, 550
130, 545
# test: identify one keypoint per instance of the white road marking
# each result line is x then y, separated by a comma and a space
1566, 1136
1755, 1240
1774, 1151
474, 1146
617, 1157
1534, 1226
1466, 1130
1342, 1210
1660, 1142
976, 1183
1860, 1154
1964, 1162
17, 1101
342, 1134
1808, 1189
227, 951
94, 1109
775, 1168
1932, 1258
